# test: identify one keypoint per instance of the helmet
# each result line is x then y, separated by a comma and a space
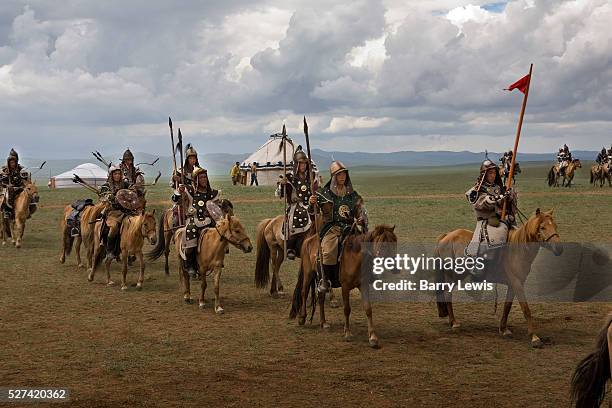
299, 155
113, 168
127, 155
13, 155
486, 165
337, 167
197, 171
190, 151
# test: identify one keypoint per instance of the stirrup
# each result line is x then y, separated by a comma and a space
324, 286
74, 232
290, 254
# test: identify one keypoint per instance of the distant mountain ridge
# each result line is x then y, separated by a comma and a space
220, 163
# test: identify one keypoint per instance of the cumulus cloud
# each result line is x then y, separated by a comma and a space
417, 75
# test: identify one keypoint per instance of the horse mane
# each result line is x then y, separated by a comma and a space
528, 231
134, 224
354, 242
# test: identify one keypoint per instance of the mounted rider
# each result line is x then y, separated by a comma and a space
204, 205
191, 163
564, 157
13, 178
343, 212
487, 198
123, 198
132, 176
300, 213
602, 156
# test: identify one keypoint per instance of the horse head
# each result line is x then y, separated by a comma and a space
577, 163
543, 229
383, 240
235, 233
32, 191
149, 226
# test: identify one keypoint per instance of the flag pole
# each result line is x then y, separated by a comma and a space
516, 141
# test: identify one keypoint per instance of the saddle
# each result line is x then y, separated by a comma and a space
74, 218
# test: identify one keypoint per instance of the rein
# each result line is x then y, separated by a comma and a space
229, 239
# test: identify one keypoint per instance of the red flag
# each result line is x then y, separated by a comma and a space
521, 84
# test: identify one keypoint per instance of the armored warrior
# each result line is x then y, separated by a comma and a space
204, 208
343, 212
602, 156
487, 197
300, 213
610, 153
564, 157
12, 181
131, 175
191, 163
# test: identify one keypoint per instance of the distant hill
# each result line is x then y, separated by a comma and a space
220, 163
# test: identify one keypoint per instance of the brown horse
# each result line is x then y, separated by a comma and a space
517, 259
597, 174
568, 175
89, 214
606, 173
23, 208
593, 372
134, 230
167, 230
383, 242
212, 247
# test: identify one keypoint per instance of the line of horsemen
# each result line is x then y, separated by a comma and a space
198, 206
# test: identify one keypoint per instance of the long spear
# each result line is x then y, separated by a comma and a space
180, 144
286, 223
180, 205
522, 85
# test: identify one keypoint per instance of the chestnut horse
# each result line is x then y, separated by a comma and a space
539, 229
23, 208
134, 230
88, 215
383, 242
212, 248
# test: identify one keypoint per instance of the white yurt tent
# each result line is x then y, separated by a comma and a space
89, 172
269, 160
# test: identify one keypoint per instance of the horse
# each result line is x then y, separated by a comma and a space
589, 380
568, 174
134, 230
213, 244
24, 206
539, 229
505, 172
85, 238
166, 233
606, 173
383, 241
597, 174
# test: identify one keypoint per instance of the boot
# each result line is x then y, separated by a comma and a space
325, 283
291, 249
190, 264
111, 248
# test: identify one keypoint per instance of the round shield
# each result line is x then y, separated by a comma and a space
128, 199
214, 210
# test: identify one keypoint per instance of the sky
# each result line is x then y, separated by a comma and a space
371, 76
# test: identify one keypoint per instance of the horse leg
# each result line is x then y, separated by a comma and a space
452, 320
63, 255
19, 228
324, 324
367, 306
92, 259
346, 293
204, 284
218, 301
109, 282
503, 322
305, 289
520, 294
276, 258
184, 278
333, 302
77, 247
167, 240
124, 269
142, 270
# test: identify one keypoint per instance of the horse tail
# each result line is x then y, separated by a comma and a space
439, 277
99, 257
262, 265
592, 373
296, 303
68, 240
551, 176
160, 247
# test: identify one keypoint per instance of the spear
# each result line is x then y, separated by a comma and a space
286, 223
524, 87
173, 147
180, 144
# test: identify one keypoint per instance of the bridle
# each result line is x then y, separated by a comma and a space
224, 236
546, 239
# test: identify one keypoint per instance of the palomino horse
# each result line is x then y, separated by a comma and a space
593, 372
568, 174
88, 215
383, 242
167, 230
597, 175
134, 230
212, 247
540, 229
23, 208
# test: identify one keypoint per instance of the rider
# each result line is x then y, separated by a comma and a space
602, 157
343, 211
190, 164
299, 213
132, 176
564, 157
487, 198
114, 213
204, 208
12, 181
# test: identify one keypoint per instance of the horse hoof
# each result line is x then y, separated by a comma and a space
201, 305
281, 293
17, 245
219, 310
325, 326
507, 334
79, 266
274, 295
455, 326
302, 321
334, 304
139, 286
62, 260
348, 337
188, 301
111, 283
90, 278
374, 343
536, 342
123, 287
